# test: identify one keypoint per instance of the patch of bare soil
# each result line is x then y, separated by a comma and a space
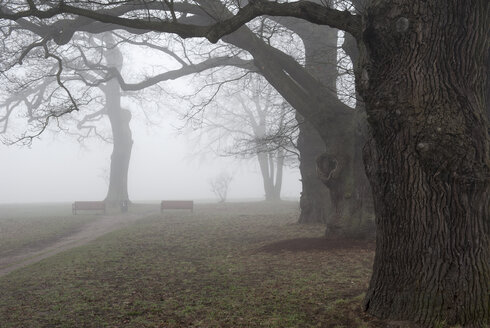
88, 233
315, 244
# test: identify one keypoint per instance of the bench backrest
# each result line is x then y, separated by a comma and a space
177, 205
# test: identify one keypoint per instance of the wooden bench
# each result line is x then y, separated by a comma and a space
177, 205
88, 206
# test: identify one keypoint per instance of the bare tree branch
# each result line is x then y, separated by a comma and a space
309, 11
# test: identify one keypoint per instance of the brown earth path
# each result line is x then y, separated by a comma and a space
88, 233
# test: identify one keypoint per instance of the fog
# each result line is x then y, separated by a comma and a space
57, 169
164, 163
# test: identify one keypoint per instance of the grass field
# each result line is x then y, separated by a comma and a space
234, 265
33, 226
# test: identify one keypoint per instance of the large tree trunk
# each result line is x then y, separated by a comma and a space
320, 61
336, 169
121, 131
314, 201
423, 77
340, 166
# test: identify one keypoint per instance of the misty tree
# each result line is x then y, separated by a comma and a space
121, 131
350, 212
339, 131
104, 100
247, 119
314, 210
121, 136
91, 62
422, 74
265, 42
220, 185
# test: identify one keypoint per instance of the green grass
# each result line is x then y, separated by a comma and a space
33, 226
201, 270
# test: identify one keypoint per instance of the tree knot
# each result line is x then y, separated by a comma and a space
402, 24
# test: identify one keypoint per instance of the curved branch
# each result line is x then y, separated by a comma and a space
306, 10
175, 74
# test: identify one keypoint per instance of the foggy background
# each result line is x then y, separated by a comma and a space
164, 163
57, 169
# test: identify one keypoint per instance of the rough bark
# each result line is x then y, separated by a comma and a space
423, 77
121, 132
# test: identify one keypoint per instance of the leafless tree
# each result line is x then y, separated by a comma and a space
248, 119
95, 65
422, 72
220, 185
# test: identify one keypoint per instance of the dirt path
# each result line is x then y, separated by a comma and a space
88, 233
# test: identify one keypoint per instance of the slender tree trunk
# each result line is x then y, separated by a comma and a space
121, 131
423, 77
271, 188
271, 170
264, 170
279, 171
